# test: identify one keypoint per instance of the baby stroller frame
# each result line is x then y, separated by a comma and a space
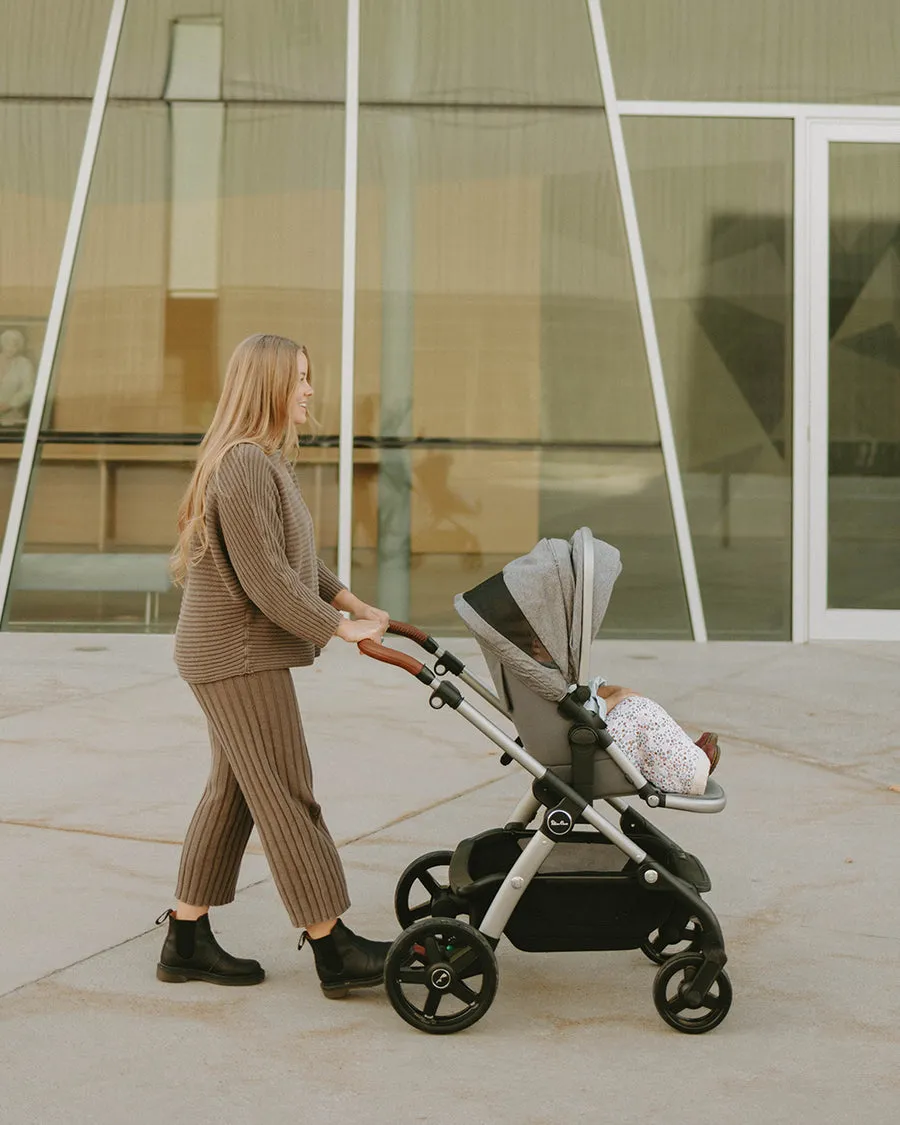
653, 903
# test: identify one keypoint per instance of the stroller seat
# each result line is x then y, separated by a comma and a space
544, 734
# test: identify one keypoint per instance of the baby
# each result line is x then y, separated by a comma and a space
646, 734
650, 738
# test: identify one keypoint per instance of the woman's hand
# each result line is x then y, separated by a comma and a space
615, 695
355, 631
350, 603
371, 613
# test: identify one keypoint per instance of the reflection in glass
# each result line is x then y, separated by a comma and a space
41, 146
51, 50
271, 50
281, 237
623, 496
206, 221
477, 52
496, 326
714, 201
864, 377
768, 50
100, 525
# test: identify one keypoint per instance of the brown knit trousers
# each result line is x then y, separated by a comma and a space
260, 773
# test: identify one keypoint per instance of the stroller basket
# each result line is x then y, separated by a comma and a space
587, 896
586, 904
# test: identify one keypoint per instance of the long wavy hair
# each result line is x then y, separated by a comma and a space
255, 406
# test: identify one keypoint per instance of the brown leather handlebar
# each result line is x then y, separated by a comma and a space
402, 629
391, 656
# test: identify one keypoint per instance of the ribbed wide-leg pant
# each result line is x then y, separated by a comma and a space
260, 773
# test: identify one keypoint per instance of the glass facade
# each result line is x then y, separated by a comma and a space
206, 218
477, 52
48, 70
501, 381
715, 201
501, 377
501, 367
864, 377
767, 50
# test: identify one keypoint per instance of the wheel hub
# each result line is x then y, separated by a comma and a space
441, 978
690, 996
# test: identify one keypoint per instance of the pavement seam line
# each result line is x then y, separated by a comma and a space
803, 759
43, 708
78, 831
88, 832
712, 685
249, 886
420, 812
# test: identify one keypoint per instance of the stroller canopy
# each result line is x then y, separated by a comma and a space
539, 615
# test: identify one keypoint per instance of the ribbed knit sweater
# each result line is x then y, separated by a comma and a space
259, 598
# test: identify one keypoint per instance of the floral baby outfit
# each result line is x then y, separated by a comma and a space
651, 739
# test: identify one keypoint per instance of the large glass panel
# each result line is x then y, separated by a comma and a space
767, 50
270, 50
864, 377
50, 49
49, 60
502, 391
478, 52
207, 220
714, 200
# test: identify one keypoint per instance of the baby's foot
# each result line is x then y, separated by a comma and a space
709, 744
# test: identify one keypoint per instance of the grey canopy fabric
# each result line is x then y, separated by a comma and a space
528, 617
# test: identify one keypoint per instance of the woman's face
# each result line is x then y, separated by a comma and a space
303, 392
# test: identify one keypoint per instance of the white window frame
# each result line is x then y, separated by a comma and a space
826, 623
815, 126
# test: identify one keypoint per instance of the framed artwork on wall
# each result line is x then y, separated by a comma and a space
21, 340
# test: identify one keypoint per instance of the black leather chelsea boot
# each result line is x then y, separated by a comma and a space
344, 960
191, 952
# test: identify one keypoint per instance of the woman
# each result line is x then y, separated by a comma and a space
256, 603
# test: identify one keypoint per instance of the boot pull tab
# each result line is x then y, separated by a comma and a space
304, 937
165, 914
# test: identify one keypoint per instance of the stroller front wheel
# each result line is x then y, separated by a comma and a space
671, 995
441, 975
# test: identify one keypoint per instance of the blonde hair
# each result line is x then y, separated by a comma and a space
255, 406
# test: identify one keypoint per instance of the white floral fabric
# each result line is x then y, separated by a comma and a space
651, 739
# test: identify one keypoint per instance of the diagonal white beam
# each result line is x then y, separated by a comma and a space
18, 504
648, 324
800, 506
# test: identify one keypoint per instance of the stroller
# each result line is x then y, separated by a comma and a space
577, 881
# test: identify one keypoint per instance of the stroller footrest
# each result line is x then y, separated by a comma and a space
712, 800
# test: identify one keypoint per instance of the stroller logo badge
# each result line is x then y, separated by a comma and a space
440, 979
560, 822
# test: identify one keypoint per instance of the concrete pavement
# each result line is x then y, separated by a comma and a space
103, 755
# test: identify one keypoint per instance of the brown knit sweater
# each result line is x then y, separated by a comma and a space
259, 598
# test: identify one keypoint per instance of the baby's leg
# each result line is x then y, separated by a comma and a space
657, 745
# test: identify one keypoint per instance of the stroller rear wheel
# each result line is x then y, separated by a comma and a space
441, 975
423, 890
660, 946
671, 995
